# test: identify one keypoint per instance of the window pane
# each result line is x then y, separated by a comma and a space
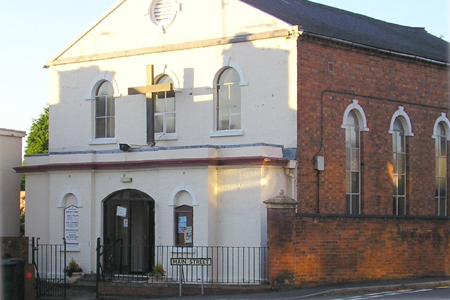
100, 106
442, 166
348, 137
401, 185
170, 104
348, 204
401, 143
355, 137
160, 105
348, 182
223, 122
159, 123
442, 187
100, 128
355, 204
355, 182
105, 89
170, 123
395, 185
235, 94
401, 206
110, 127
110, 103
355, 160
395, 163
235, 121
437, 187
442, 207
443, 142
401, 164
348, 161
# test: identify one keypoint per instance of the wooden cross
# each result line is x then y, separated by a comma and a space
149, 90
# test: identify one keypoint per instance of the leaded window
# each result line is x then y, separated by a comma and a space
399, 168
353, 163
441, 170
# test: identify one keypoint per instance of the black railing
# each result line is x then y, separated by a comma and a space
49, 261
229, 265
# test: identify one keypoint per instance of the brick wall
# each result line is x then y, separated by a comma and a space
318, 249
331, 249
330, 76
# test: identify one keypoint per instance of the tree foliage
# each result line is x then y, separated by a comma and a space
37, 140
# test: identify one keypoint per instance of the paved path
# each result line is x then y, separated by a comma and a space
351, 288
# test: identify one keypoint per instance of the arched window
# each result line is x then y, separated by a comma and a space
165, 109
441, 169
399, 168
228, 109
353, 163
104, 111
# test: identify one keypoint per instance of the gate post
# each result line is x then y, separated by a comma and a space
281, 239
97, 267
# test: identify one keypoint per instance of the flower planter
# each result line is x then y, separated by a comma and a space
74, 277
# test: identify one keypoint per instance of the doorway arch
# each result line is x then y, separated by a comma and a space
129, 231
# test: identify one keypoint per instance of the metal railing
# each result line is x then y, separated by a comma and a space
49, 261
229, 265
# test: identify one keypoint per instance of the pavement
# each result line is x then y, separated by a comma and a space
304, 293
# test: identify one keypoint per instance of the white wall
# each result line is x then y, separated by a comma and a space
10, 157
229, 209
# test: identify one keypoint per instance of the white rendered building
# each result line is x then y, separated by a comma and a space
10, 156
171, 121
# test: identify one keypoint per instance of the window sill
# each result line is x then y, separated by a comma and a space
165, 137
103, 141
224, 133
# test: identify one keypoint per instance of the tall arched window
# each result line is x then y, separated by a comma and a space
228, 108
353, 163
104, 111
441, 169
165, 109
399, 168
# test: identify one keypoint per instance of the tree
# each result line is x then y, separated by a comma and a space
37, 140
37, 143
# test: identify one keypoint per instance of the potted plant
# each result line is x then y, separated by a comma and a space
73, 271
157, 273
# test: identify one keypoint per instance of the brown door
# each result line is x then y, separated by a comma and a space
129, 232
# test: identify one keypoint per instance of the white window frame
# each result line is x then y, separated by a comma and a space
109, 98
164, 135
407, 131
227, 63
362, 126
102, 76
443, 120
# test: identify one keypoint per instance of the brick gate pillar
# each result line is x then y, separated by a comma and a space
281, 239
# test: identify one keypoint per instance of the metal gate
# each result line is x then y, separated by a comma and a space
49, 261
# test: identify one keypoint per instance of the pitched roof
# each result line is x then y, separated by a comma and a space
347, 26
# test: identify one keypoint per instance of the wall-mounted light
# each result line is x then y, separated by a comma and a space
124, 147
126, 179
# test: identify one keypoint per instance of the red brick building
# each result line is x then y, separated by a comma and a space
373, 132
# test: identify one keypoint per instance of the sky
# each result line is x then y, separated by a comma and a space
34, 31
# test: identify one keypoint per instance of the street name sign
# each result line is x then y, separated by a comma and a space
190, 261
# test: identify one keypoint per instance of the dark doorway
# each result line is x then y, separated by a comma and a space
129, 231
